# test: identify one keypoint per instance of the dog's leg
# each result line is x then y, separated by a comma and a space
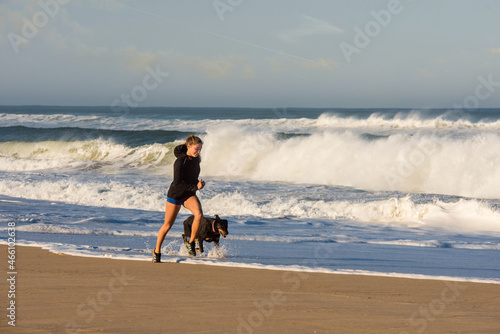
216, 241
184, 238
201, 246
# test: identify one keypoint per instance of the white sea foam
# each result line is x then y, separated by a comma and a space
22, 156
463, 215
410, 163
180, 258
177, 248
78, 230
444, 163
402, 121
460, 215
113, 194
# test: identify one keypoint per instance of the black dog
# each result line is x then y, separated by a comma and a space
210, 230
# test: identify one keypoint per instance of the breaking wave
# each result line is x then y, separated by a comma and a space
419, 163
467, 166
274, 120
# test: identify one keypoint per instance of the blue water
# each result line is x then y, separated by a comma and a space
410, 193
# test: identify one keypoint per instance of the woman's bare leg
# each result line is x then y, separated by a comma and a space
193, 204
171, 211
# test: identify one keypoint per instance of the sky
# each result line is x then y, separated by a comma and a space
251, 53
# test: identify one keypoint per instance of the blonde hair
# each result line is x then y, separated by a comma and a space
194, 140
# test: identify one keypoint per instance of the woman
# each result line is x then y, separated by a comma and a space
182, 191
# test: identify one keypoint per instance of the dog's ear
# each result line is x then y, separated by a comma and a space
217, 217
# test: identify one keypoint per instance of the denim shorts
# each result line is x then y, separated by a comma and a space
175, 201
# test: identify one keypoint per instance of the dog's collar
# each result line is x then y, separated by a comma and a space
213, 226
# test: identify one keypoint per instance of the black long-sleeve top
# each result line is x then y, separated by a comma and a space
186, 172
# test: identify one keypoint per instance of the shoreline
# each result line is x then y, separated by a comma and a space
72, 294
296, 268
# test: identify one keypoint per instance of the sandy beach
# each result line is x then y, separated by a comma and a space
68, 294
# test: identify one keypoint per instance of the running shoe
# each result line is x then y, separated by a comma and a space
191, 248
156, 257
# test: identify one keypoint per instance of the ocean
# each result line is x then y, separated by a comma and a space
390, 192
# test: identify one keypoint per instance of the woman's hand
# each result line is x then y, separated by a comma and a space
201, 184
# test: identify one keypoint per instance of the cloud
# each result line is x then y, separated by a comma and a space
11, 17
216, 68
276, 65
426, 73
72, 47
320, 64
111, 5
309, 26
314, 65
135, 60
495, 51
11, 22
33, 20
